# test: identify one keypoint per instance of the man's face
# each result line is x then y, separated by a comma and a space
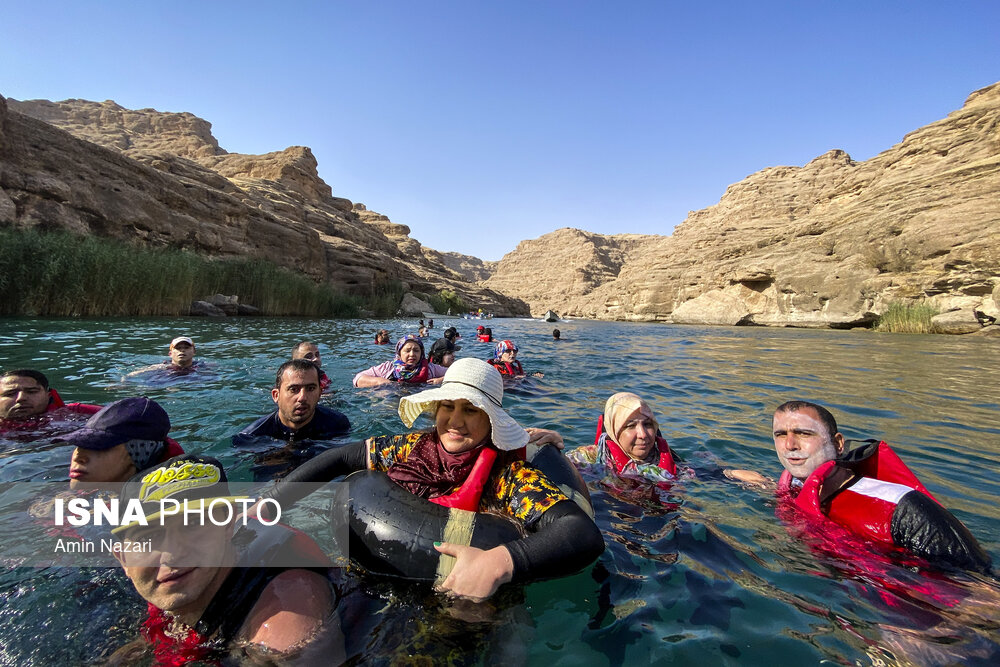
309, 353
803, 442
182, 354
297, 397
22, 397
185, 569
108, 466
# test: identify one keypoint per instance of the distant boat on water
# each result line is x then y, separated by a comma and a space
551, 316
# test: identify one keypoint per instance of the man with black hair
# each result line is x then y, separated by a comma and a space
25, 396
867, 490
298, 415
214, 589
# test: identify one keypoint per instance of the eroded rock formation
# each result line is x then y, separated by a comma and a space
827, 244
162, 179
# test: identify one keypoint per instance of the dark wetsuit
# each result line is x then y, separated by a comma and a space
561, 538
325, 424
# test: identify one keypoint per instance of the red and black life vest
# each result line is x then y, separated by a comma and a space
621, 459
874, 495
860, 493
423, 375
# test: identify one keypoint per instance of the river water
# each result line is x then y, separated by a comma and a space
700, 571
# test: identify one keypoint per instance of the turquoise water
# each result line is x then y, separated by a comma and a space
700, 571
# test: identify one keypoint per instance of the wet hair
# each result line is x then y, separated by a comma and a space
295, 364
299, 346
825, 415
27, 373
555, 333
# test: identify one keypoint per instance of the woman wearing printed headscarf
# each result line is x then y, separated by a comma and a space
628, 441
410, 365
505, 360
473, 459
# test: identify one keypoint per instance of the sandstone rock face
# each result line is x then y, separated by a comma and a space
956, 322
565, 266
829, 244
162, 179
414, 306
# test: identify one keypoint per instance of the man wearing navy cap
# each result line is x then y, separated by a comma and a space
119, 440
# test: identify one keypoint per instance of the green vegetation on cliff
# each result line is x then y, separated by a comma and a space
60, 274
901, 317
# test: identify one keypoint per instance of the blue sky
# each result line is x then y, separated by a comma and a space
480, 124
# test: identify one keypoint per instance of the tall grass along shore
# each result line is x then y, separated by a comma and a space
60, 274
902, 317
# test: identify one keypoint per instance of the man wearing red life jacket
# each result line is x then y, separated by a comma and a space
868, 490
25, 396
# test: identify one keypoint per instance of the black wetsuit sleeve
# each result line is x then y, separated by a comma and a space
565, 540
930, 531
323, 468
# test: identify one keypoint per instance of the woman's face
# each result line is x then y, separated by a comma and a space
410, 353
461, 426
509, 356
638, 436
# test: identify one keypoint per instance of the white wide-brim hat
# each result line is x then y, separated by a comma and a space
480, 384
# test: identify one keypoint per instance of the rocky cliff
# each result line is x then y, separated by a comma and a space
827, 244
162, 179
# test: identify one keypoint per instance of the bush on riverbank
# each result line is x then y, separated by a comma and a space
901, 317
447, 300
60, 274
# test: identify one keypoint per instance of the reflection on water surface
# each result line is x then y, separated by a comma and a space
697, 571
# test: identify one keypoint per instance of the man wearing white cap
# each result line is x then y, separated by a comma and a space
181, 359
182, 352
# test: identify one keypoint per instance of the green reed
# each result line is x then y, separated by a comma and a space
60, 274
904, 317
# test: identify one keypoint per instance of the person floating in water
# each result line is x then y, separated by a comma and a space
555, 334
410, 365
473, 440
297, 415
505, 360
181, 359
26, 401
213, 595
868, 490
382, 337
310, 352
629, 442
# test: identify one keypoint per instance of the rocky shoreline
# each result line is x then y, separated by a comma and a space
834, 243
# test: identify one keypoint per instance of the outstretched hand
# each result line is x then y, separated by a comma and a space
748, 477
477, 573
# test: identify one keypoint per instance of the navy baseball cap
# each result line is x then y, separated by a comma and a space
137, 418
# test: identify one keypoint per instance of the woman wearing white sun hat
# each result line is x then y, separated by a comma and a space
471, 460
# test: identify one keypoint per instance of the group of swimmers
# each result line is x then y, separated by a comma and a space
472, 459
